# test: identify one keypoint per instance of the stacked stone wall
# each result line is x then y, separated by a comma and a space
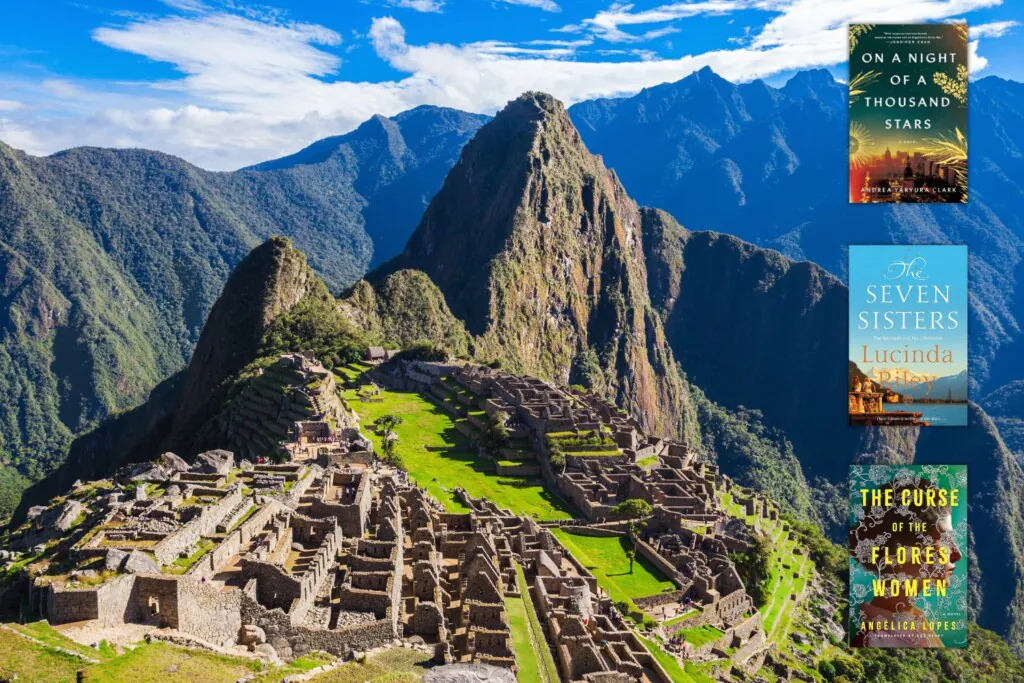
172, 546
208, 613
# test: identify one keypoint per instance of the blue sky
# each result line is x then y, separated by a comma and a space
225, 83
930, 266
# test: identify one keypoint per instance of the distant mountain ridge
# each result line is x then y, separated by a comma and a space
770, 166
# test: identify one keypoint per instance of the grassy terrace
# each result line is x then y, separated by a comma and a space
183, 564
679, 672
701, 635
784, 582
533, 656
159, 662
441, 458
605, 557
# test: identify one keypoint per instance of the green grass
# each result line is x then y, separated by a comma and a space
605, 557
533, 656
676, 670
183, 564
441, 458
147, 663
296, 666
777, 612
396, 665
681, 617
43, 632
163, 663
31, 662
701, 635
253, 509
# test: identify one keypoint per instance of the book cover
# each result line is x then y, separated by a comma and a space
908, 113
908, 335
908, 556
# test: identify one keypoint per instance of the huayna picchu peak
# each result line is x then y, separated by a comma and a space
538, 249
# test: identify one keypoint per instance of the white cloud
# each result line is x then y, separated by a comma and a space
255, 87
546, 5
995, 29
421, 5
10, 105
605, 24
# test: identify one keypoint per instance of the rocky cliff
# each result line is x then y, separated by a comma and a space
538, 249
270, 284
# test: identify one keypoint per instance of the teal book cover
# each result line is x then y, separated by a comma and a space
908, 335
908, 556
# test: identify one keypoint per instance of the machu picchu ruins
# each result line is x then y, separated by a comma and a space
300, 536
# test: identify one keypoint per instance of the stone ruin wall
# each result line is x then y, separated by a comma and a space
171, 547
209, 613
208, 565
289, 640
645, 550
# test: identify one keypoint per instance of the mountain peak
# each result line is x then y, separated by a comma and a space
270, 281
818, 77
818, 85
532, 106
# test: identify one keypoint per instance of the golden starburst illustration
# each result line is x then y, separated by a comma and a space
859, 83
858, 31
950, 151
860, 142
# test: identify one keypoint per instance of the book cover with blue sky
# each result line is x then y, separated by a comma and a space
226, 84
908, 330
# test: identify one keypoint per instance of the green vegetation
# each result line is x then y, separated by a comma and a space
441, 458
253, 509
183, 564
679, 672
987, 659
316, 324
754, 454
701, 635
607, 557
789, 570
752, 566
397, 665
31, 662
160, 662
633, 510
146, 663
409, 310
682, 617
533, 655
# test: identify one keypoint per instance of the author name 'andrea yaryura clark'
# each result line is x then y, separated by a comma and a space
908, 335
908, 113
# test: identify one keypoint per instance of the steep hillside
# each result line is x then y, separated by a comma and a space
271, 304
757, 331
112, 259
407, 309
768, 165
537, 248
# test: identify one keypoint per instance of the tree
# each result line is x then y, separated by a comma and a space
387, 423
634, 510
752, 567
557, 461
391, 457
498, 431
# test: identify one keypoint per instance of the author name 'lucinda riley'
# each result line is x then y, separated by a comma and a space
908, 335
